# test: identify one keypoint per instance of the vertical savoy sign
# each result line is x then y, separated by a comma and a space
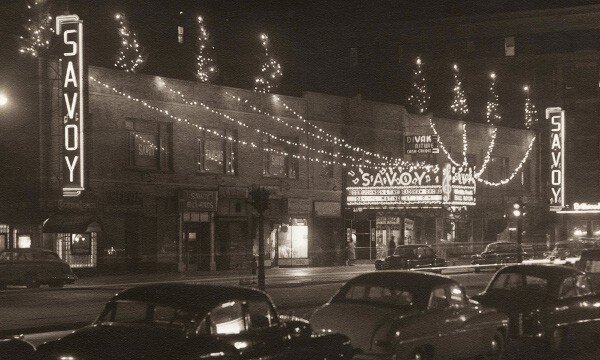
557, 157
70, 32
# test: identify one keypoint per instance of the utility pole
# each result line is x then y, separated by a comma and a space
259, 198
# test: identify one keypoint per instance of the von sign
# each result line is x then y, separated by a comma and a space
557, 157
70, 33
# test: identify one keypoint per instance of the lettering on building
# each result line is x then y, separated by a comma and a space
557, 158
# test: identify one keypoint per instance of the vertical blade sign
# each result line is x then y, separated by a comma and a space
557, 158
70, 32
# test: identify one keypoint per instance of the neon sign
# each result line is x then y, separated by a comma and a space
557, 161
399, 187
72, 106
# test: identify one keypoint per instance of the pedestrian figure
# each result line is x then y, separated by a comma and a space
351, 252
391, 246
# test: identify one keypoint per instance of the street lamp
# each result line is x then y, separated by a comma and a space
3, 100
518, 214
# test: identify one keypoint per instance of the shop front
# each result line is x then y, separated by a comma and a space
197, 211
233, 245
293, 234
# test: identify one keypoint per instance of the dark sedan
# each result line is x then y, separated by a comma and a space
499, 253
34, 267
549, 303
184, 321
411, 257
412, 315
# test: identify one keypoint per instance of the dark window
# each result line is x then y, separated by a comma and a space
438, 299
261, 314
280, 158
216, 154
150, 145
497, 168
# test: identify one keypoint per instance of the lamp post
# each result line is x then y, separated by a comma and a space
518, 214
259, 198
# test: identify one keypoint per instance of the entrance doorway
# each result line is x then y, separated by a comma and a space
197, 245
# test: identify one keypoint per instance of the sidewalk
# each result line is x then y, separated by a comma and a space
273, 276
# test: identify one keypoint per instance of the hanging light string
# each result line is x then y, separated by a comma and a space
337, 141
459, 101
514, 173
270, 71
205, 65
39, 29
465, 145
227, 138
129, 57
488, 153
268, 134
441, 144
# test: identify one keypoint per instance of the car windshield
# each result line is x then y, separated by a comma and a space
139, 312
405, 251
502, 247
379, 294
514, 281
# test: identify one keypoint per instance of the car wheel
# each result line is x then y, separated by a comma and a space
497, 344
31, 281
57, 284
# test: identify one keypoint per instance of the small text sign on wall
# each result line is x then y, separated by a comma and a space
421, 144
198, 200
70, 32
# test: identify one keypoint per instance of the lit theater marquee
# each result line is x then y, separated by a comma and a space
401, 187
70, 32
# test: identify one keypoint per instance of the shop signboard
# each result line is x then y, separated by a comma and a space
409, 187
421, 144
70, 31
557, 158
198, 200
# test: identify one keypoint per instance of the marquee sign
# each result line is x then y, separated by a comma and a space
421, 144
401, 187
70, 31
557, 161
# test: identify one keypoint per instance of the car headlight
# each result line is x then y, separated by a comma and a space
67, 357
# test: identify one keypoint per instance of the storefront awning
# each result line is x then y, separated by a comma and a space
71, 224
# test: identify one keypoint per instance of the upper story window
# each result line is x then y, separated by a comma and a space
151, 144
281, 158
216, 154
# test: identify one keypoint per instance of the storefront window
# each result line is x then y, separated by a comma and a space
24, 241
81, 244
216, 154
293, 240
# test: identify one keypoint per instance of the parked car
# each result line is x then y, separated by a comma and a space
549, 304
189, 321
499, 253
589, 262
16, 348
410, 257
566, 249
411, 315
34, 267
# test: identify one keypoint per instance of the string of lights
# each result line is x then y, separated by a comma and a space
530, 111
206, 69
39, 29
441, 144
515, 171
270, 70
465, 145
492, 113
459, 100
419, 97
129, 57
488, 153
250, 144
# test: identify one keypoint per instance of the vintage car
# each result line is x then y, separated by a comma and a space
589, 261
411, 257
189, 321
566, 249
548, 304
34, 267
499, 253
411, 315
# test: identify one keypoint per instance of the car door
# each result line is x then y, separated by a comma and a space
269, 335
448, 320
577, 307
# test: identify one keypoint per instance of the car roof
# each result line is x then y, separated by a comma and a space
542, 270
195, 297
394, 277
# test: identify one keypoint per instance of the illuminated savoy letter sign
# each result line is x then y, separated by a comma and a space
70, 32
557, 157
